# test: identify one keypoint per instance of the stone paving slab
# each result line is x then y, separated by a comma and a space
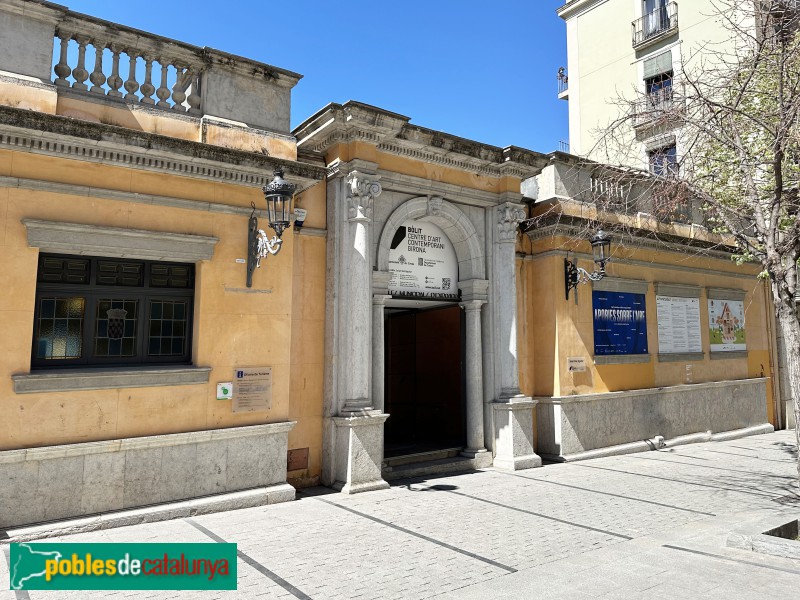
651, 524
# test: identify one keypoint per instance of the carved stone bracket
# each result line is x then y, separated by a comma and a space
510, 215
434, 206
361, 191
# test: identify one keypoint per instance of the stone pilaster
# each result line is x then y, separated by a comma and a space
380, 294
354, 426
512, 412
473, 295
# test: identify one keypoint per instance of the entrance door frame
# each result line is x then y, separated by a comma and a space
421, 307
473, 287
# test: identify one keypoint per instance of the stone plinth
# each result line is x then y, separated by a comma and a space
359, 453
513, 434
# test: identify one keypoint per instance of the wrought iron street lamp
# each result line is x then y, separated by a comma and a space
278, 194
574, 275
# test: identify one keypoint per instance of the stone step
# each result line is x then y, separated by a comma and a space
458, 464
407, 459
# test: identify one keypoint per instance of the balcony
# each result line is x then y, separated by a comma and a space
563, 84
655, 26
657, 108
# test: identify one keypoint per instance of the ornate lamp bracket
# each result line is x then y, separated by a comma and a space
259, 245
575, 275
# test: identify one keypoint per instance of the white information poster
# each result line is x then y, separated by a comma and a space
678, 325
726, 325
252, 389
422, 263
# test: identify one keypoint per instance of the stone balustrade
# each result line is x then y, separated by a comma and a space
120, 62
48, 47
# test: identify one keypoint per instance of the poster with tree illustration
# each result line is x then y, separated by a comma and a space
726, 325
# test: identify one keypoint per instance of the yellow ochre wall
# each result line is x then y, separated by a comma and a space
278, 323
558, 329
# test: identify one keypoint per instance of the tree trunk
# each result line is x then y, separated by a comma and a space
787, 320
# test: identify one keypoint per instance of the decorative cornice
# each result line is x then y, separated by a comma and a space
393, 134
571, 8
633, 240
122, 196
53, 135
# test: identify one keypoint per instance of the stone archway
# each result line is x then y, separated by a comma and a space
454, 223
473, 288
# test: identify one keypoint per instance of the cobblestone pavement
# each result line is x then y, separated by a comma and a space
653, 523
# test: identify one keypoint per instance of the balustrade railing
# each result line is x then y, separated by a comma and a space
128, 64
654, 24
655, 106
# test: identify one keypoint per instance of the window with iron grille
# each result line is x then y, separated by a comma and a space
93, 311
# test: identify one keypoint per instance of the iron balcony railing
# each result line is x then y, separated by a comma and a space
661, 21
656, 107
563, 80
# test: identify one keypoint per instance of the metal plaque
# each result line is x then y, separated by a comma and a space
576, 364
252, 389
297, 459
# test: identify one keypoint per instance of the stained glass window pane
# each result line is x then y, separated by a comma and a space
115, 328
60, 328
168, 327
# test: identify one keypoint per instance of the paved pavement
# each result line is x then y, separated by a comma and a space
652, 524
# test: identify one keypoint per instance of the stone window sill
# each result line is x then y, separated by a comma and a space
69, 380
729, 355
681, 356
621, 359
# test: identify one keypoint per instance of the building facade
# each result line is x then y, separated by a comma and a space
412, 322
628, 55
627, 61
126, 195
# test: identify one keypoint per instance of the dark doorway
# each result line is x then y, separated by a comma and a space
424, 380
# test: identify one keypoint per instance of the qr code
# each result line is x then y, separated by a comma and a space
445, 283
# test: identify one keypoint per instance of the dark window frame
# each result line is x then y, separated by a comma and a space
92, 292
663, 162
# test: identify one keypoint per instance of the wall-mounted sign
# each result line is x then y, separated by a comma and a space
252, 389
678, 324
576, 364
225, 391
422, 263
620, 323
726, 325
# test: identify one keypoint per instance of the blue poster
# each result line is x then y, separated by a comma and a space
620, 323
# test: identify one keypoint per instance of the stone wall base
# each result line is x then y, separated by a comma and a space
59, 482
590, 425
658, 443
272, 494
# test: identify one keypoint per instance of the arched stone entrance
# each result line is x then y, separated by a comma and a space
483, 235
472, 286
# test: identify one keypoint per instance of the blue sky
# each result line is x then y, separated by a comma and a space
481, 70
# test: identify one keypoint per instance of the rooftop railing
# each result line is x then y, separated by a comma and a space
119, 62
99, 59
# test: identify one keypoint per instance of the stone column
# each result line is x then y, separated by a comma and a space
354, 426
473, 294
380, 294
512, 413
